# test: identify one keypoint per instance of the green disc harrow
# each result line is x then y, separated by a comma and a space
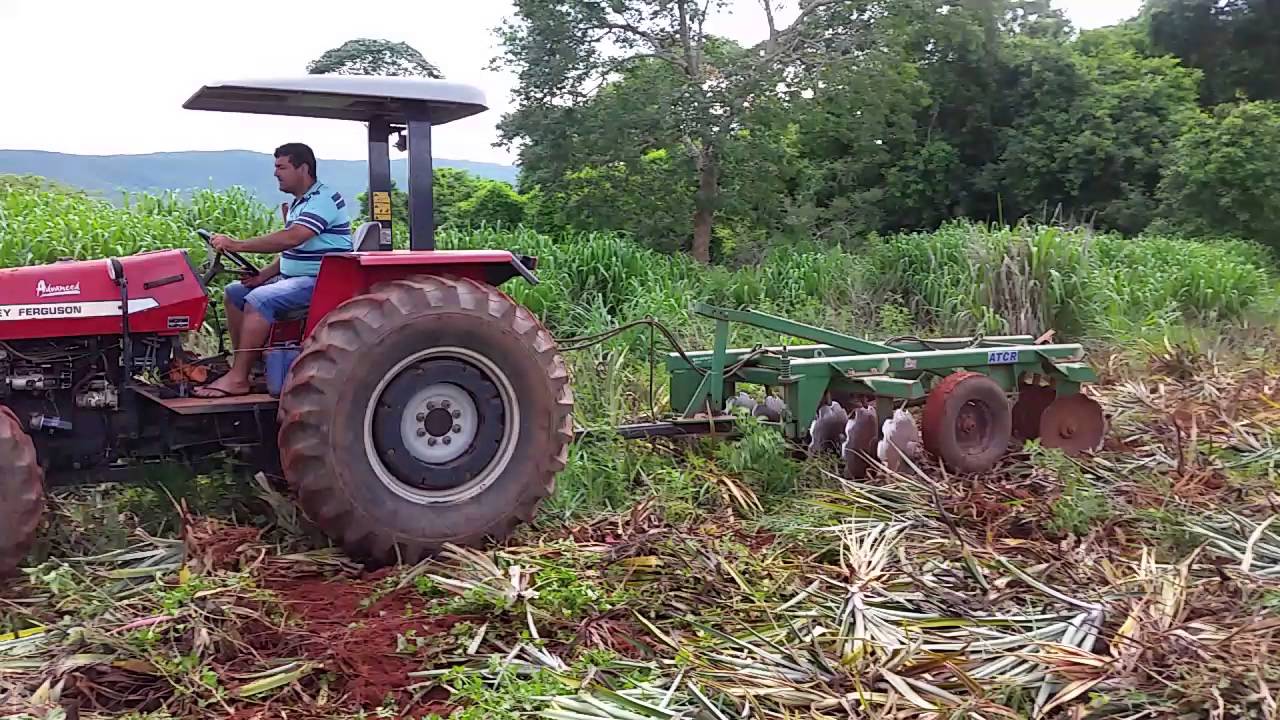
852, 395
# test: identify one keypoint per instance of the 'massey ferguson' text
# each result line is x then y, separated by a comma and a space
31, 311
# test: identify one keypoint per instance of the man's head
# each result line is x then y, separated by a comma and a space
295, 168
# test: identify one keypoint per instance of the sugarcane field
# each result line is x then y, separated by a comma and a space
657, 360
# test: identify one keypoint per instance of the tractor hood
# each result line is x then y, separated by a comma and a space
81, 297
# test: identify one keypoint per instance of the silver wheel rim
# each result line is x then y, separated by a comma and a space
440, 452
454, 441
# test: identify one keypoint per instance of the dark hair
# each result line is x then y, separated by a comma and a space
299, 155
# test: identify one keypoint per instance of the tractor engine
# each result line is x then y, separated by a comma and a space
65, 331
66, 391
83, 372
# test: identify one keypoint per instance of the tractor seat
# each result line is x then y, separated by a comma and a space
367, 237
290, 316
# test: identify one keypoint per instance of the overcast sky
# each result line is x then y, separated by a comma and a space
95, 77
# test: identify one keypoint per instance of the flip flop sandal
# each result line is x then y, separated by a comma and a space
220, 393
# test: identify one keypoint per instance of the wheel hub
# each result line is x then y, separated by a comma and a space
428, 423
437, 424
973, 427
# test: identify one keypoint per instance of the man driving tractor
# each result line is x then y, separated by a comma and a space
317, 223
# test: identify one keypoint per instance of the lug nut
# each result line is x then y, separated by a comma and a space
431, 404
446, 440
457, 414
446, 404
457, 428
421, 416
422, 431
431, 441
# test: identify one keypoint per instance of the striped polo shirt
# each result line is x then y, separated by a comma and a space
322, 211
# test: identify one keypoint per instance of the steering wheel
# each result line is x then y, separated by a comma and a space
215, 262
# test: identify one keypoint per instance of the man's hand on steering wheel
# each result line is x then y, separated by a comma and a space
222, 245
222, 242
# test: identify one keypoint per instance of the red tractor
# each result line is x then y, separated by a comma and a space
420, 405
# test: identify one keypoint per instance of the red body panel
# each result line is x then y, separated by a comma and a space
343, 276
79, 297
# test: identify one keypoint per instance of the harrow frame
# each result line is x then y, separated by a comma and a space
894, 374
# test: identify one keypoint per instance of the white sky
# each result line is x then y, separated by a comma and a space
96, 77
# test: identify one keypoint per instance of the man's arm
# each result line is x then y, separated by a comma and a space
275, 242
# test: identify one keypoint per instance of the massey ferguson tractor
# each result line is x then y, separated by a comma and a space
414, 404
420, 405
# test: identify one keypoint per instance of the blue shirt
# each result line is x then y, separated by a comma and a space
322, 211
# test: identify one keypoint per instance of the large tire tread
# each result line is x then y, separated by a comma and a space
318, 376
21, 493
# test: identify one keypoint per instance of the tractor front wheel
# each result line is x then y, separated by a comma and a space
429, 411
21, 492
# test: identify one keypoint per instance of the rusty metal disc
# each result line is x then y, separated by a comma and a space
1031, 404
826, 431
1074, 424
860, 435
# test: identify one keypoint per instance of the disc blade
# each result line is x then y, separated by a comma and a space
826, 432
1074, 424
901, 440
771, 409
860, 442
1030, 407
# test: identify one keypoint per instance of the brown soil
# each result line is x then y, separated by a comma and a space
336, 622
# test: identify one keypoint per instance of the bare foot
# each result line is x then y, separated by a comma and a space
224, 386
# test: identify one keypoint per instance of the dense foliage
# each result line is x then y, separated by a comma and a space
368, 56
1223, 177
889, 117
963, 277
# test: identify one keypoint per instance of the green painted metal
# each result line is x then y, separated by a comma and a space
896, 371
792, 328
709, 396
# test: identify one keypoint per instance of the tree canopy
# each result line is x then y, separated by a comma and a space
867, 116
367, 56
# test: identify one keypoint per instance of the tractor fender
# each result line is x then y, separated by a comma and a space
343, 276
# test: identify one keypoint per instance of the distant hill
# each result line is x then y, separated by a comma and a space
110, 175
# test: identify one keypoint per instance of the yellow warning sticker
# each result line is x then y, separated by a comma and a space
381, 206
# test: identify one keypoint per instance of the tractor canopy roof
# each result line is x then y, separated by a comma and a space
395, 100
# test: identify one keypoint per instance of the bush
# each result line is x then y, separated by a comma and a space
1223, 179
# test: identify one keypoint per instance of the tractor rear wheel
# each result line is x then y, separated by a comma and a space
431, 410
21, 492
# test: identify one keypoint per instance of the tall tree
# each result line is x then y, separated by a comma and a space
567, 52
1090, 130
1235, 42
366, 56
1223, 179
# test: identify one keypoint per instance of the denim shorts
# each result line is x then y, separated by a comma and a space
275, 297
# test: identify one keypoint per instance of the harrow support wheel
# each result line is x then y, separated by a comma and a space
967, 422
21, 492
431, 410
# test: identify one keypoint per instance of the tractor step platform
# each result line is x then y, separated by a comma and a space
206, 406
